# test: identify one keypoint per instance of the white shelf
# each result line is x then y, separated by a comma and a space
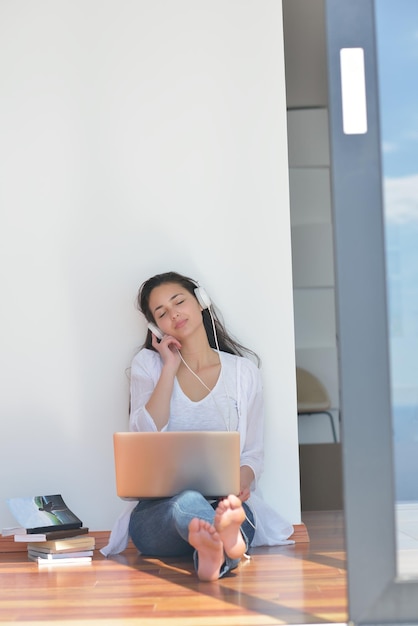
310, 197
312, 255
308, 138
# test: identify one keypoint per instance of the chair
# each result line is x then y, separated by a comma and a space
312, 397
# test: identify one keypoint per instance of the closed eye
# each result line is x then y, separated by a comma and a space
159, 311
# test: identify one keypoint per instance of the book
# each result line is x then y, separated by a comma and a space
64, 545
83, 560
40, 514
13, 530
51, 534
49, 556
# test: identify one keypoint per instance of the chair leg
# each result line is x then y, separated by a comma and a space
334, 434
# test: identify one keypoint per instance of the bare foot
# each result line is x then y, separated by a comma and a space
229, 516
205, 539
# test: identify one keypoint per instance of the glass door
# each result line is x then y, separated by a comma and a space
375, 258
397, 61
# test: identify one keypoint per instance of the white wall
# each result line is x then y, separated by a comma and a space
137, 137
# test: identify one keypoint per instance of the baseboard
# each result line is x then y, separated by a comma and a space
8, 544
300, 534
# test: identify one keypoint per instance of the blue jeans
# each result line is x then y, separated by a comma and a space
161, 527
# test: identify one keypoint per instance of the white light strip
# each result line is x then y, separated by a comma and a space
353, 90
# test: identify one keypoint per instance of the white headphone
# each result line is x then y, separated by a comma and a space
202, 297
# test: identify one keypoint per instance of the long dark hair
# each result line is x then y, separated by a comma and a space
226, 342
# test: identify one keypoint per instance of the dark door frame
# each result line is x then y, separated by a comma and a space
375, 595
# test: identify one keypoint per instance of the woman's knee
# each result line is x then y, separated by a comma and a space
189, 497
191, 503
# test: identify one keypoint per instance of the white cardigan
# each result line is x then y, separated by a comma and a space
238, 398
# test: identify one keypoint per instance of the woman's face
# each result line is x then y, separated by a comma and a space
176, 311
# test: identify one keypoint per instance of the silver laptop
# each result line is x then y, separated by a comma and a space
162, 464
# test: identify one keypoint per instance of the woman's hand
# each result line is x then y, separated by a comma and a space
158, 405
244, 494
246, 478
168, 349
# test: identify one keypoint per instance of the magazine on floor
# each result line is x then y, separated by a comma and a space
39, 514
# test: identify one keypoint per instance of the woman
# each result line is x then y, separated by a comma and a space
194, 376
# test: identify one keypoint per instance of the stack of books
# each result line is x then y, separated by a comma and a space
53, 533
71, 551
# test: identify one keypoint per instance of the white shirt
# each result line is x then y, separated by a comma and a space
235, 403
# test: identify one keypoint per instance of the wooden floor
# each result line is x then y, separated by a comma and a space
300, 584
